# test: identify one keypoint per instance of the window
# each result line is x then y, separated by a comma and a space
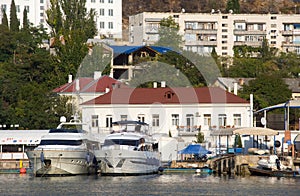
110, 25
207, 119
189, 122
273, 25
3, 7
93, 1
110, 1
41, 1
222, 120
273, 17
27, 8
141, 117
224, 17
155, 120
224, 30
273, 31
224, 42
41, 14
101, 12
175, 119
273, 42
18, 8
95, 121
101, 24
224, 25
224, 36
108, 121
237, 120
101, 1
110, 12
41, 7
273, 37
123, 117
224, 48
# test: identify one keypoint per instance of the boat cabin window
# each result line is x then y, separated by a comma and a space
66, 131
61, 142
121, 142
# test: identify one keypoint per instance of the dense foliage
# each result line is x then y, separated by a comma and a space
28, 73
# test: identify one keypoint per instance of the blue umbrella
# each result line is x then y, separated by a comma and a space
194, 149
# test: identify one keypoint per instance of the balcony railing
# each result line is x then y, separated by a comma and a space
249, 32
201, 31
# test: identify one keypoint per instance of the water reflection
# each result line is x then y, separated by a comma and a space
170, 184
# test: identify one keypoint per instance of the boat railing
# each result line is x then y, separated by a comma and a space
13, 155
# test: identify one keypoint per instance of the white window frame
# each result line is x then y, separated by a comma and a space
175, 119
108, 121
95, 121
237, 120
207, 119
155, 120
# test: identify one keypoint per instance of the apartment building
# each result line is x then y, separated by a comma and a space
108, 14
202, 32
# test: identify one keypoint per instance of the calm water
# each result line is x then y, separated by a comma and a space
167, 184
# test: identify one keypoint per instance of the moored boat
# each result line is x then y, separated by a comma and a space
130, 150
272, 167
66, 150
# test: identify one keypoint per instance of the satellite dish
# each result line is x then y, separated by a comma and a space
263, 121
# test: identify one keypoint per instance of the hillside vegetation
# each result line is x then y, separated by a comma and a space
132, 7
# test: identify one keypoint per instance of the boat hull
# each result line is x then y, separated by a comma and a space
258, 171
60, 162
127, 162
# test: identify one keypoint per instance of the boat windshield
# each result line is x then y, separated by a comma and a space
61, 142
121, 142
66, 131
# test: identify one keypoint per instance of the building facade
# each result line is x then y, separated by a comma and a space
204, 31
108, 14
179, 111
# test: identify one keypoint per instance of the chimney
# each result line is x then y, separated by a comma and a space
77, 87
235, 88
163, 84
97, 75
70, 79
241, 81
154, 84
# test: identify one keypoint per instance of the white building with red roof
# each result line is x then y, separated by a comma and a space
182, 111
83, 89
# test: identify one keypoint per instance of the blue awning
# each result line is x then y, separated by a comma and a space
194, 149
288, 104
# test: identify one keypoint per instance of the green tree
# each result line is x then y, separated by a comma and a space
233, 5
25, 20
14, 22
199, 137
6, 44
4, 20
169, 34
267, 90
70, 33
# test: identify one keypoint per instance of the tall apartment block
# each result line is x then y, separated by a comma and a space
108, 17
202, 32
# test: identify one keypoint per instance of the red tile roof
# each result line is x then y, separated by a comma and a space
167, 95
88, 85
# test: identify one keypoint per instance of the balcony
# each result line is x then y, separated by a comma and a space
291, 44
289, 32
248, 43
249, 32
188, 128
201, 31
201, 43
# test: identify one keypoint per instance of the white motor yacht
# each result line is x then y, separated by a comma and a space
129, 151
66, 150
